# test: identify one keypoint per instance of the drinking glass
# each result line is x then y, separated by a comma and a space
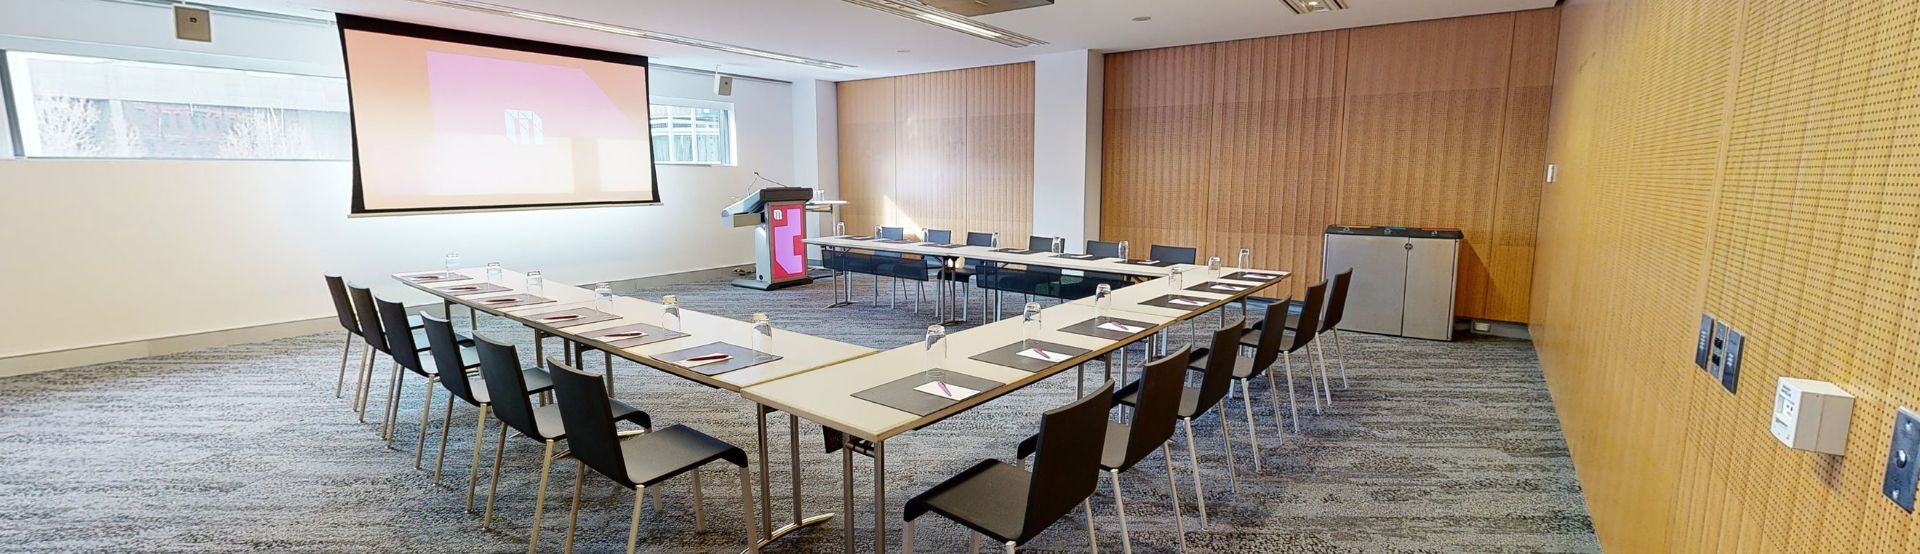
1059, 245
670, 312
935, 347
536, 283
453, 262
1123, 250
1102, 301
494, 272
1174, 278
603, 297
1245, 262
839, 228
1030, 324
762, 333
1213, 267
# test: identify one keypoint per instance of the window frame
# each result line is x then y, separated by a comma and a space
731, 136
10, 117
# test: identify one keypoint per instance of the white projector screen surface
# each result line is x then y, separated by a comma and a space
450, 120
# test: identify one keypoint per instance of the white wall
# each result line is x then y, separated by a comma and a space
98, 252
1068, 100
816, 143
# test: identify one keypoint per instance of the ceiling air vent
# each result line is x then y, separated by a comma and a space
932, 15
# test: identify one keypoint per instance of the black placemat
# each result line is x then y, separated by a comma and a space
1009, 355
653, 335
1082, 257
1148, 263
1166, 301
517, 300
1253, 276
587, 315
1091, 328
435, 277
854, 237
472, 288
1013, 251
899, 394
941, 245
894, 241
1209, 287
743, 357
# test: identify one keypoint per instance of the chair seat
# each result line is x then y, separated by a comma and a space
1242, 365
538, 381
990, 497
1130, 396
547, 418
661, 455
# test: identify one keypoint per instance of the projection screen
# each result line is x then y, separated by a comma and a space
454, 120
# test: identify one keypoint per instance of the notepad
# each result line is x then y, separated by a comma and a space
1260, 275
1043, 355
1228, 288
1186, 302
947, 390
1121, 327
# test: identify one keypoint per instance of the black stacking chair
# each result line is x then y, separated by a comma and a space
376, 339
507, 386
1330, 323
406, 355
1284, 341
468, 386
637, 461
1215, 383
1093, 278
1010, 505
1300, 332
965, 272
343, 309
938, 236
1103, 248
893, 233
1175, 254
1157, 397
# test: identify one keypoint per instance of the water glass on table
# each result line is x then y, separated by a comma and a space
536, 283
1030, 324
670, 313
1102, 302
453, 262
603, 297
762, 333
494, 272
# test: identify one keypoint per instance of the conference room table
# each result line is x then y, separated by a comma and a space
798, 352
830, 396
952, 255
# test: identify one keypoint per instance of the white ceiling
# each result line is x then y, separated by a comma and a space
871, 41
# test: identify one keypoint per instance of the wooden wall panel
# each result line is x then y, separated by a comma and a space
946, 150
1753, 160
1262, 143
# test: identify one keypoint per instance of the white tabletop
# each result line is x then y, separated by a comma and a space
825, 396
799, 352
1045, 259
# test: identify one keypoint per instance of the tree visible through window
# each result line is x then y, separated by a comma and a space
697, 133
72, 106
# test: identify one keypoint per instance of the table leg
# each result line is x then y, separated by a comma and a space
800, 521
880, 497
766, 473
846, 488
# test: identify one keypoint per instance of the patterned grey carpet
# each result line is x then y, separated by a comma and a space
1437, 447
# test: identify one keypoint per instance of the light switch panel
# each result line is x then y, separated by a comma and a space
1730, 361
1704, 346
1903, 460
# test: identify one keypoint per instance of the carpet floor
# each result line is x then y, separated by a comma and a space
1435, 447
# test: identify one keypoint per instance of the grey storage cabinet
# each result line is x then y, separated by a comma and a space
1403, 278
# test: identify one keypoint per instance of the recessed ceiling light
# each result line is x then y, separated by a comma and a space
1143, 18
1313, 6
924, 13
497, 9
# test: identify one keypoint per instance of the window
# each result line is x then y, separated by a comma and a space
692, 132
81, 107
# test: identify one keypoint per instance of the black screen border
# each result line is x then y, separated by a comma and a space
347, 22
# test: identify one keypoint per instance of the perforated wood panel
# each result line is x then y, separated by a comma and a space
947, 150
1261, 143
1753, 159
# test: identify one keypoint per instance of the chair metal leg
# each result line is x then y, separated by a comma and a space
1326, 385
473, 467
1253, 437
906, 539
446, 428
1010, 549
393, 405
1173, 490
340, 384
1293, 403
426, 411
1193, 463
699, 504
633, 525
573, 515
361, 386
1340, 353
1273, 395
1120, 505
540, 500
1093, 539
746, 509
499, 451
1226, 438
973, 546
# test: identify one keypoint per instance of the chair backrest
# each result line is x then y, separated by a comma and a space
507, 387
1067, 464
1336, 301
938, 236
400, 343
446, 357
1103, 248
1217, 377
588, 418
1273, 335
1040, 244
975, 238
364, 311
1158, 406
342, 305
1175, 254
893, 233
1309, 324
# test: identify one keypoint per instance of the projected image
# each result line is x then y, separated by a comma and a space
441, 124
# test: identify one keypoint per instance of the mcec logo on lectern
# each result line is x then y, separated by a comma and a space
523, 128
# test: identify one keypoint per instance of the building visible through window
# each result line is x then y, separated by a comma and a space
699, 133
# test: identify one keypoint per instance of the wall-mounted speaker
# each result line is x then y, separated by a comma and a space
190, 23
722, 84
